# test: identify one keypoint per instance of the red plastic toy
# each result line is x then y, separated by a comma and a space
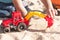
19, 23
16, 22
49, 20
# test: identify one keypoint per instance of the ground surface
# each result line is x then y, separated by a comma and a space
34, 32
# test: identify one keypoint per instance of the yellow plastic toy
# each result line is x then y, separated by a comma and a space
32, 13
40, 15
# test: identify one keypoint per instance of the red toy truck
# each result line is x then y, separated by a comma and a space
19, 23
16, 22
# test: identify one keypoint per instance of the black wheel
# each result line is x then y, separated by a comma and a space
7, 29
21, 27
4, 29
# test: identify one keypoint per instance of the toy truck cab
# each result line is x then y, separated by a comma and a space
16, 21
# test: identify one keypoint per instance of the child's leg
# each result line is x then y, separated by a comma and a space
10, 8
4, 13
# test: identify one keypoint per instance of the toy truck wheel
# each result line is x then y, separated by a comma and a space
21, 27
6, 30
1, 28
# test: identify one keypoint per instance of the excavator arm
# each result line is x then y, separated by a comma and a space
32, 13
41, 15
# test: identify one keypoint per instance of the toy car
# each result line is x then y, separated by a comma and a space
16, 22
19, 23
